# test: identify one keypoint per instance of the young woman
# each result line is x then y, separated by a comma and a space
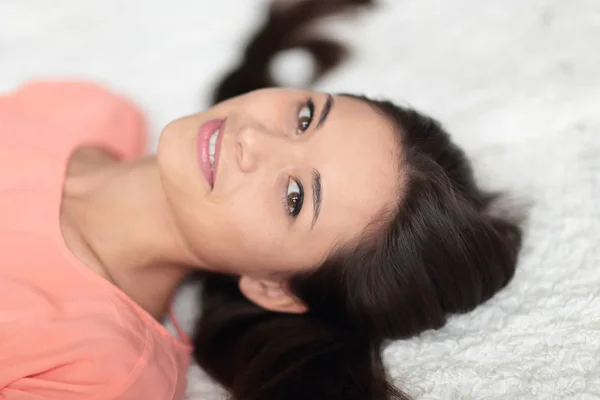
324, 224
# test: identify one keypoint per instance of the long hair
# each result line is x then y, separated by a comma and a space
439, 251
288, 26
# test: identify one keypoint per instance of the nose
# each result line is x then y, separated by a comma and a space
257, 145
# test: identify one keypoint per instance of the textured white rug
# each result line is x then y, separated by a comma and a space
517, 83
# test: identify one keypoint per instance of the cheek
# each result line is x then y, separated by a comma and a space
236, 235
256, 228
261, 242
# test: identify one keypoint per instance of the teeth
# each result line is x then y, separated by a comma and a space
212, 144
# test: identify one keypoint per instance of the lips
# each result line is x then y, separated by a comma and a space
209, 148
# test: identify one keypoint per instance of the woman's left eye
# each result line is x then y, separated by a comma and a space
305, 117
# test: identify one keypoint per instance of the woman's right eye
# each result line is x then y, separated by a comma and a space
305, 117
294, 197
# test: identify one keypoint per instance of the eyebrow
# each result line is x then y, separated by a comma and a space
316, 175
325, 111
317, 197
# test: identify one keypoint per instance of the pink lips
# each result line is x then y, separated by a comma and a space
202, 143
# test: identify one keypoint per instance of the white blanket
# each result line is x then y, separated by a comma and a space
517, 83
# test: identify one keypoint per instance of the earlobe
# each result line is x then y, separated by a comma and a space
271, 295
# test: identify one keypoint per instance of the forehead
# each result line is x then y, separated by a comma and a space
357, 153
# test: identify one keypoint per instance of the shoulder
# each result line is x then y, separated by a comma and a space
38, 93
80, 347
89, 320
79, 109
82, 341
52, 97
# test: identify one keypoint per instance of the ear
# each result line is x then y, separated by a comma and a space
271, 295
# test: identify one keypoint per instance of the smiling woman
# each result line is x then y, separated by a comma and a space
323, 224
396, 236
284, 190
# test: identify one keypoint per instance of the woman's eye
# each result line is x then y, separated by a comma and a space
305, 117
294, 197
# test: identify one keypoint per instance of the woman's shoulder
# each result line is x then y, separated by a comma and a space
81, 346
75, 333
69, 308
55, 111
55, 98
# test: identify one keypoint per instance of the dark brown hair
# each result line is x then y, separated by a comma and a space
438, 252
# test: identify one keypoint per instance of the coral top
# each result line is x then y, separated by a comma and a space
65, 332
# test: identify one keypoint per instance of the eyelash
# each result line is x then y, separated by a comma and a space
294, 209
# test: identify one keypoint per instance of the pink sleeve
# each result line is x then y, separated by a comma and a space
86, 111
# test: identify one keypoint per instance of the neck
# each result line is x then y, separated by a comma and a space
116, 220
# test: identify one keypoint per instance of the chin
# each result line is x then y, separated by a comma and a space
177, 163
167, 156
183, 184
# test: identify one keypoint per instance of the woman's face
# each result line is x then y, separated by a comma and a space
296, 173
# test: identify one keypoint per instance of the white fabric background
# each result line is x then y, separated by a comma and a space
517, 83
